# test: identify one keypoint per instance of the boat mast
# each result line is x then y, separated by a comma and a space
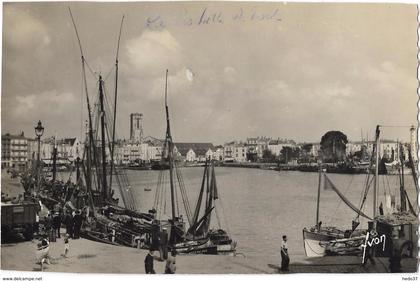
88, 173
103, 146
115, 107
54, 169
319, 193
91, 144
402, 191
376, 178
413, 170
170, 157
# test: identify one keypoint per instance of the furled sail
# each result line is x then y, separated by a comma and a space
328, 185
200, 227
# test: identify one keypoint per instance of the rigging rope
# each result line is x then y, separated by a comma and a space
340, 201
157, 192
184, 194
224, 216
176, 199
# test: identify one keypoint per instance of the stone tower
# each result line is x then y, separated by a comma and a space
136, 127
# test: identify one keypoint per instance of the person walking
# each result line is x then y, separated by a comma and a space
284, 255
148, 263
170, 267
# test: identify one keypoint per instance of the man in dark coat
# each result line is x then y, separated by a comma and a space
69, 221
77, 224
57, 223
148, 263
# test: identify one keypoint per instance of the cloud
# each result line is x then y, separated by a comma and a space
153, 51
24, 30
55, 105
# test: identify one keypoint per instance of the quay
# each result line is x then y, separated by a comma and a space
255, 165
87, 256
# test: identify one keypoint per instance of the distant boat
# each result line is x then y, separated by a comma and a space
141, 166
161, 165
394, 168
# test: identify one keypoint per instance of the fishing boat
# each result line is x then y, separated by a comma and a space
217, 241
109, 219
320, 241
316, 238
198, 238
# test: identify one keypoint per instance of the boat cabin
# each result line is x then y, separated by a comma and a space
401, 234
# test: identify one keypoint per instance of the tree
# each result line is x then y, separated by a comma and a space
306, 152
333, 146
307, 147
289, 153
268, 156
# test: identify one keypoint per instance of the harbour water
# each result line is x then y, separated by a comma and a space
258, 206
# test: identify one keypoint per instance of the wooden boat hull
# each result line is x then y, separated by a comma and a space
312, 242
205, 246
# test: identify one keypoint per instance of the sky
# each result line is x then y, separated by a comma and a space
236, 70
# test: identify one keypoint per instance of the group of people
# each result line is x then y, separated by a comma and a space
73, 220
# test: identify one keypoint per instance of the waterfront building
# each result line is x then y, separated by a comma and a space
14, 151
218, 154
388, 149
275, 146
69, 148
128, 152
194, 152
154, 148
190, 156
257, 146
235, 152
134, 152
239, 153
228, 151
136, 127
32, 149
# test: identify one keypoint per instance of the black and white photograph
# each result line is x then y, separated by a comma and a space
209, 137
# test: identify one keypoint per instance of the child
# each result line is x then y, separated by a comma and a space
66, 245
42, 253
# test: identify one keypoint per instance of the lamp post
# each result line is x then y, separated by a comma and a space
39, 131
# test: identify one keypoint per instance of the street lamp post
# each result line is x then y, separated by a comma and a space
39, 131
